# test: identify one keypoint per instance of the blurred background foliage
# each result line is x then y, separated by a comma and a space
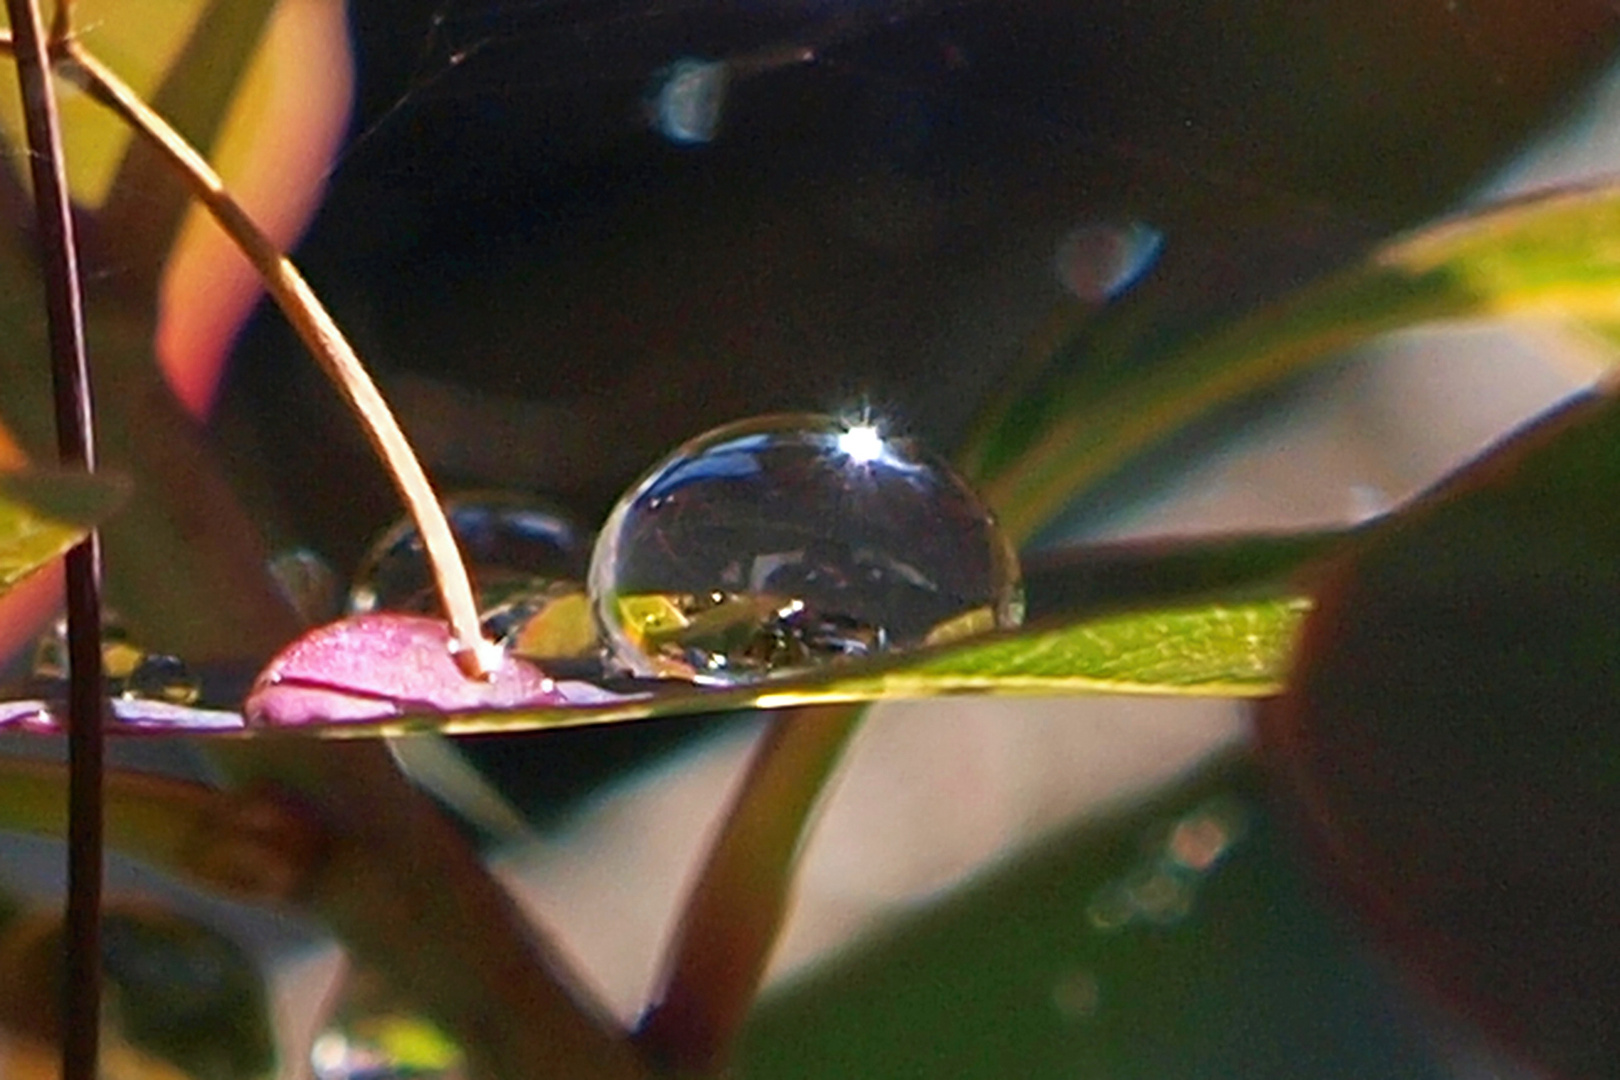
553, 292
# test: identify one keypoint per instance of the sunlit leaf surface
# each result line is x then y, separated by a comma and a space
1238, 650
1550, 255
42, 514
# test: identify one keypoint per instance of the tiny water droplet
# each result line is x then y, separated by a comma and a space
371, 1037
119, 655
1201, 840
1099, 262
511, 543
386, 1047
163, 678
687, 100
786, 542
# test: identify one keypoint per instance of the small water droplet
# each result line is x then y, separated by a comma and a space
1098, 262
390, 1046
1112, 908
163, 678
119, 655
785, 542
511, 543
371, 1037
687, 100
1161, 896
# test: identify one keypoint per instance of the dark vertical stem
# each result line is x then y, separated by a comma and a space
70, 373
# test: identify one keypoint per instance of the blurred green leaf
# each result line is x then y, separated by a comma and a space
178, 991
1117, 950
185, 567
145, 203
1552, 255
1182, 571
43, 513
1449, 738
143, 40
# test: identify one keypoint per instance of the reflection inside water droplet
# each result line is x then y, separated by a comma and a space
550, 623
512, 544
119, 655
787, 542
163, 678
1099, 262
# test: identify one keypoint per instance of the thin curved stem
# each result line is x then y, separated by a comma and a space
477, 656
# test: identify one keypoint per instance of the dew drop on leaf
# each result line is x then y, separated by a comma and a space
387, 1046
163, 678
512, 543
1099, 262
119, 654
782, 543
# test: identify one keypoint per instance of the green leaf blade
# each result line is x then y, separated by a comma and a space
1555, 254
1231, 650
43, 513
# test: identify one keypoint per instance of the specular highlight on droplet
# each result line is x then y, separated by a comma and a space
787, 542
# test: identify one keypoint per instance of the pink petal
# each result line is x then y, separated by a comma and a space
371, 667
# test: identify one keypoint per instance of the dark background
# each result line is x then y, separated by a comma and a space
553, 294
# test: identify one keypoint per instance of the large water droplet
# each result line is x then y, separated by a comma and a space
511, 543
786, 542
1098, 262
